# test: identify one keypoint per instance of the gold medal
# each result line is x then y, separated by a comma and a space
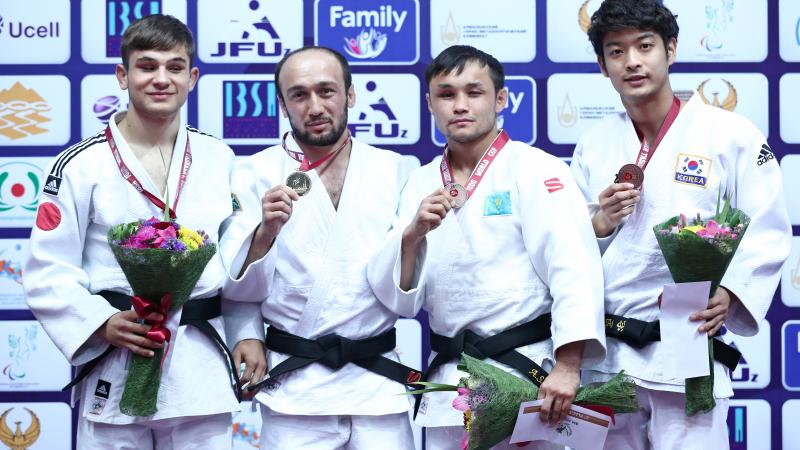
458, 193
299, 182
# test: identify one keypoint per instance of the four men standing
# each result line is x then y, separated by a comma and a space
329, 240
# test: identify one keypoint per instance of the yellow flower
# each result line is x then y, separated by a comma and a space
694, 228
190, 238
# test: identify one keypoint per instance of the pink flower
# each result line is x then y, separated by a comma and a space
164, 235
145, 234
461, 402
465, 442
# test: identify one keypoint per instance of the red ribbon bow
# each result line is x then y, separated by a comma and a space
158, 332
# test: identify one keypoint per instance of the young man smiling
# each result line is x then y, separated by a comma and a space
79, 293
655, 141
493, 240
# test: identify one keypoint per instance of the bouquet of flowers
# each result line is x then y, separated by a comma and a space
490, 399
701, 250
162, 262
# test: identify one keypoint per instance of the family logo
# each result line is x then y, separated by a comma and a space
250, 109
717, 20
257, 36
385, 34
18, 439
731, 97
19, 186
691, 169
120, 14
21, 112
21, 348
367, 45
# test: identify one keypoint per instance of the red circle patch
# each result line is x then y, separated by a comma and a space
49, 216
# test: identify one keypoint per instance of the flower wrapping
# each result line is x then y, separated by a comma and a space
490, 397
162, 262
701, 250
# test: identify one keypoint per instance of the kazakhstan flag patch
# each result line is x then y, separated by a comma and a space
497, 204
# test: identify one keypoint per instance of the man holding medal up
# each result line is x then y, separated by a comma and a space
493, 240
661, 158
313, 211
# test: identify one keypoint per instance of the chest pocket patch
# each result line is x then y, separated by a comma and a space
497, 204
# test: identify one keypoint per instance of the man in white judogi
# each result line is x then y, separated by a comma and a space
697, 152
299, 262
506, 244
72, 279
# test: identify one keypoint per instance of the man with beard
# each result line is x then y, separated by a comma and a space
494, 241
312, 212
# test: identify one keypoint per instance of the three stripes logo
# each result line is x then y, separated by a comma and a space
553, 185
52, 185
765, 155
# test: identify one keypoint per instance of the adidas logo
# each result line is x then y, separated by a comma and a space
52, 185
102, 389
765, 155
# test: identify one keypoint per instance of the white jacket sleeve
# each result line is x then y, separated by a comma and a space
754, 272
383, 270
560, 242
253, 285
56, 286
580, 172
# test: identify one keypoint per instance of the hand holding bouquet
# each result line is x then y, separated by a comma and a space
701, 250
490, 399
162, 262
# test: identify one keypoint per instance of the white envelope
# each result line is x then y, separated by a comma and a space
688, 348
583, 429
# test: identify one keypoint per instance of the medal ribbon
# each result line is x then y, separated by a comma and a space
480, 170
305, 164
646, 152
131, 178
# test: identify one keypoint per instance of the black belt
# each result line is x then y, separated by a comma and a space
196, 313
638, 333
501, 347
334, 351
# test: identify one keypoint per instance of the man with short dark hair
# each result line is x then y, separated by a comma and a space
313, 211
679, 157
493, 240
77, 290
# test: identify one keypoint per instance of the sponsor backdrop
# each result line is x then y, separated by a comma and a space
56, 87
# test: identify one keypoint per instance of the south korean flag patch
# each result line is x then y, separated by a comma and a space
692, 169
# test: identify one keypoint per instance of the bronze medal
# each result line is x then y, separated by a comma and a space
630, 173
299, 182
458, 193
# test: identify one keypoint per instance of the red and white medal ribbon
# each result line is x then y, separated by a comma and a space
478, 172
131, 178
646, 151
